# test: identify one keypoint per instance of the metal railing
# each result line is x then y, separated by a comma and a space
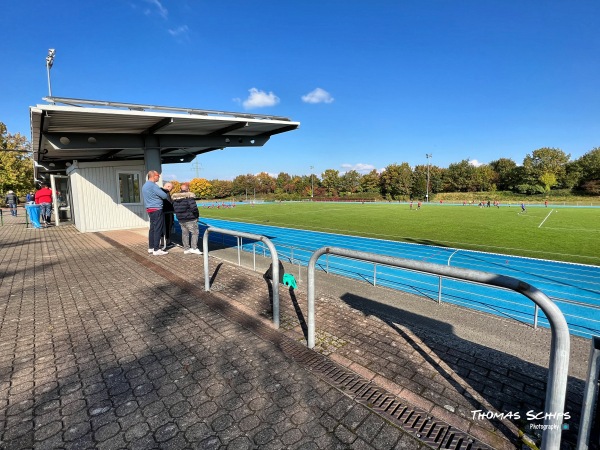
506, 305
255, 237
590, 397
559, 347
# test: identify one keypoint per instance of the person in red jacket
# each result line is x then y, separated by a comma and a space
43, 197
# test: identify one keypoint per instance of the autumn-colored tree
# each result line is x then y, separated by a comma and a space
201, 187
548, 180
283, 182
244, 185
265, 183
16, 165
221, 188
298, 186
331, 181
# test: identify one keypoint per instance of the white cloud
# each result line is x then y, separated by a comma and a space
360, 167
260, 99
318, 96
475, 163
179, 31
162, 11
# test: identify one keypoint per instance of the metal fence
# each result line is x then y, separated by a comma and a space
581, 316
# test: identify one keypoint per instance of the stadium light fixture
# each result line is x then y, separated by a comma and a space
49, 63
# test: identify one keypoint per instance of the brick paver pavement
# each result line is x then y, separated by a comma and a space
98, 351
105, 346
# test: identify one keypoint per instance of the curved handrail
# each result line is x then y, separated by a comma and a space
256, 237
559, 347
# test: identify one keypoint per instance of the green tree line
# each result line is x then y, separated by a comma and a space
541, 171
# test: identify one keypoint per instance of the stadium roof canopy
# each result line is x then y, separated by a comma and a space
91, 130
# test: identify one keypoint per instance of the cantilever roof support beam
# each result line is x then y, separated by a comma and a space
110, 141
229, 129
281, 130
110, 154
158, 125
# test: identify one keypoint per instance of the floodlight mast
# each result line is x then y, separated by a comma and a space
312, 184
428, 156
49, 62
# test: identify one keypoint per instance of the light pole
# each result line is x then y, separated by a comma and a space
312, 183
49, 62
428, 156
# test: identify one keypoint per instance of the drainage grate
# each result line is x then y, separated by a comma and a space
417, 422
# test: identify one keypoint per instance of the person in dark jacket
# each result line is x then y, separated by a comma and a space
186, 210
168, 211
12, 201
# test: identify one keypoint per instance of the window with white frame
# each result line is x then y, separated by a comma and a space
129, 187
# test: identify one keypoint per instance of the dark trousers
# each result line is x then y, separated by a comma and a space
168, 226
157, 229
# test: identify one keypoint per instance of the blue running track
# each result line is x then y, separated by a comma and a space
574, 287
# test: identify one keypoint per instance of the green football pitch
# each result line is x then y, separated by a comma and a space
561, 234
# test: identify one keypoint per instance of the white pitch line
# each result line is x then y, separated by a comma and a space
545, 219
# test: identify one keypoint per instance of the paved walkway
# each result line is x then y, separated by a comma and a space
105, 346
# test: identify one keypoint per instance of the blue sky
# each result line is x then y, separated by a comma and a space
372, 82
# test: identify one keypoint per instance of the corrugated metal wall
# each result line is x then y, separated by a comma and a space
95, 199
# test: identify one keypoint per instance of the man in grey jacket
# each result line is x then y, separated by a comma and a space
12, 201
153, 199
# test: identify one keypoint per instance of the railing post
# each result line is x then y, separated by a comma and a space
590, 396
374, 274
310, 283
440, 280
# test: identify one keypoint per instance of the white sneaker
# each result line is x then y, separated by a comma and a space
196, 251
159, 252
187, 252
150, 250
